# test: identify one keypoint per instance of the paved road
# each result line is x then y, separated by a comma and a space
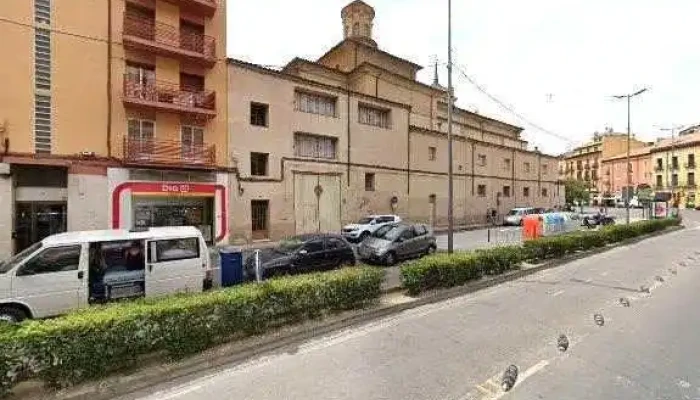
457, 349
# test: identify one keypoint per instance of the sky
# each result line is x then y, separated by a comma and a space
555, 63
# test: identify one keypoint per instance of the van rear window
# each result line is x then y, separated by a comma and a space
174, 249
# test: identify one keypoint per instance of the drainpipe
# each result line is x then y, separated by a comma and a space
348, 139
109, 78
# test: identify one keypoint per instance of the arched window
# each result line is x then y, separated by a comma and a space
356, 29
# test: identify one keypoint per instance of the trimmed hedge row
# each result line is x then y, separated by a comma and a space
444, 270
94, 342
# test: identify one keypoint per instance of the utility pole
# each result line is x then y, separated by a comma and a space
450, 184
629, 138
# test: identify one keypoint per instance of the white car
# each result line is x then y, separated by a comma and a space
366, 226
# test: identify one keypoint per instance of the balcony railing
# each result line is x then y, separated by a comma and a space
147, 34
165, 96
168, 152
690, 165
659, 168
674, 166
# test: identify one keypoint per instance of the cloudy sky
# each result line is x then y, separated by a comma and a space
555, 62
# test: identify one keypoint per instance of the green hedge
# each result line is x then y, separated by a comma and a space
92, 343
444, 270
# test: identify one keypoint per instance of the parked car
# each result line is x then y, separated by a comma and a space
75, 269
366, 226
515, 216
395, 242
302, 254
592, 220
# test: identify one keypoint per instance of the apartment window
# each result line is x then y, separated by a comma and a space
259, 114
42, 11
659, 163
141, 130
314, 146
526, 192
191, 83
260, 219
544, 192
42, 124
481, 159
192, 138
42, 59
191, 36
481, 190
506, 191
369, 182
526, 166
594, 174
659, 181
314, 103
674, 162
139, 77
674, 180
258, 164
545, 169
691, 178
432, 153
691, 160
373, 116
506, 164
578, 175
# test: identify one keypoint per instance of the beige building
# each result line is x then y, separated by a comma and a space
321, 143
584, 162
113, 114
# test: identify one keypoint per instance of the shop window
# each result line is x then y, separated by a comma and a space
258, 164
259, 114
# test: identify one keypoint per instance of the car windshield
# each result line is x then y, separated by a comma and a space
18, 258
289, 245
515, 212
365, 220
389, 232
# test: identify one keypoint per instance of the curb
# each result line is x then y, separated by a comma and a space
237, 352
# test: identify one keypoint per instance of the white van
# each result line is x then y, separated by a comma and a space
75, 269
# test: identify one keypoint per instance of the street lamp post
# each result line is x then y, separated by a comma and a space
450, 184
629, 136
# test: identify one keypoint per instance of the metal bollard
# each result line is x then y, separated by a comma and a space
258, 272
488, 235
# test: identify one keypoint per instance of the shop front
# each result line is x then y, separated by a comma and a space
153, 204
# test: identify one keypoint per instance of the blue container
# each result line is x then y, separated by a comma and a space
231, 266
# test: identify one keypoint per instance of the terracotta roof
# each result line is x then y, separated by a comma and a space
353, 40
680, 141
633, 153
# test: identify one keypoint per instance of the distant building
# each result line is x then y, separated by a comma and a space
321, 143
675, 167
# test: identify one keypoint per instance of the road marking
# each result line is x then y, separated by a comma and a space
491, 388
557, 293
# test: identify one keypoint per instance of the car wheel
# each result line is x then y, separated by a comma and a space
390, 258
348, 262
12, 315
431, 250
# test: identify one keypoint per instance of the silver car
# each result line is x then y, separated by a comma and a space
395, 242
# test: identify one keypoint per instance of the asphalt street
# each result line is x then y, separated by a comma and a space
458, 349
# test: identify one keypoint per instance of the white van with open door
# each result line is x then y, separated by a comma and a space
72, 270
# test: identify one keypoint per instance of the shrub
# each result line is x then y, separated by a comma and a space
93, 342
499, 259
440, 271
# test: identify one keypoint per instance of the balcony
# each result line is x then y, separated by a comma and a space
147, 35
690, 165
164, 96
205, 7
168, 152
674, 167
658, 168
587, 167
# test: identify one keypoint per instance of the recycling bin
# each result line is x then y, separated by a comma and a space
231, 266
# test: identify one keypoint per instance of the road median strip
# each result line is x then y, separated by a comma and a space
96, 343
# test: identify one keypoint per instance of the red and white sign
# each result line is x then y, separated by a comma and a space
172, 189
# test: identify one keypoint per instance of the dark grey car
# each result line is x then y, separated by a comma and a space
392, 243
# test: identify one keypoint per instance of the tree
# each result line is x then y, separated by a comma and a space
576, 191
